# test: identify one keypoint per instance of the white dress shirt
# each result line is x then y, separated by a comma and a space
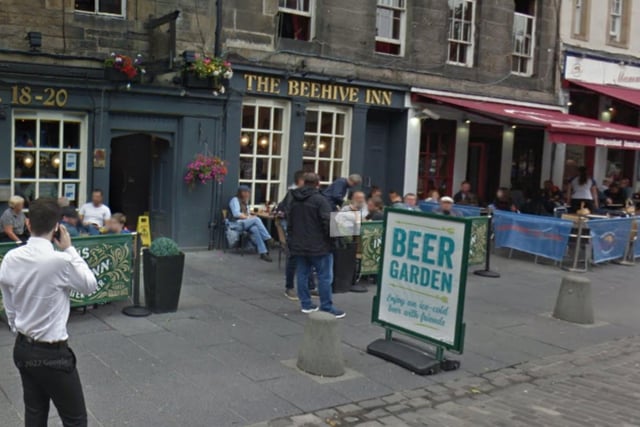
36, 281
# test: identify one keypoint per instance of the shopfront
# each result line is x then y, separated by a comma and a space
283, 123
500, 143
63, 137
606, 90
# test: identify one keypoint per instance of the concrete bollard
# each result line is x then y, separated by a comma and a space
321, 349
574, 301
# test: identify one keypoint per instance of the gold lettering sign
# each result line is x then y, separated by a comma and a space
49, 97
319, 91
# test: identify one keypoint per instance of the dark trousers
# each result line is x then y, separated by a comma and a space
290, 274
48, 372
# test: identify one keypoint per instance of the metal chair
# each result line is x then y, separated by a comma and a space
242, 235
282, 240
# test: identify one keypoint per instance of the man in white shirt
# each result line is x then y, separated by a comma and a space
95, 214
35, 281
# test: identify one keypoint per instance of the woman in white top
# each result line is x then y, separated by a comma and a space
582, 190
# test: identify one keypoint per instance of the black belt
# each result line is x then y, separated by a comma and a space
35, 343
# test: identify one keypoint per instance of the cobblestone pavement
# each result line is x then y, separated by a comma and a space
594, 386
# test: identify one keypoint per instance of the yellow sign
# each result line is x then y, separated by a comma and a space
144, 230
49, 97
318, 90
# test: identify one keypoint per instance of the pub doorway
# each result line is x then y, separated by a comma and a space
484, 160
136, 179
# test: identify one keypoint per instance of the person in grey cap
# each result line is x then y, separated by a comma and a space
446, 207
243, 220
337, 191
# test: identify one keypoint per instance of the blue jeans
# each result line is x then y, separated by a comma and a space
324, 268
258, 232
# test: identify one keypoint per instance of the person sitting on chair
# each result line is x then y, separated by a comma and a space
376, 209
71, 220
243, 220
117, 224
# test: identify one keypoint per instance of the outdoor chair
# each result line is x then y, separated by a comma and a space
282, 240
234, 239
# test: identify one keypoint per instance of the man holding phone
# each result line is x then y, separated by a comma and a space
35, 281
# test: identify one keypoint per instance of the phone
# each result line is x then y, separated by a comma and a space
56, 234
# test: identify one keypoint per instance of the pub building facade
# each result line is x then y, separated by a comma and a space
282, 122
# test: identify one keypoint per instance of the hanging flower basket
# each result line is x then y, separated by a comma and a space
123, 68
205, 168
207, 73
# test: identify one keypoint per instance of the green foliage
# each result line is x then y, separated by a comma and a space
164, 246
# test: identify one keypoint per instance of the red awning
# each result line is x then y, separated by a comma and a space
563, 128
630, 96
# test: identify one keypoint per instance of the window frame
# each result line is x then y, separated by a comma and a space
82, 151
622, 37
581, 18
401, 41
470, 56
106, 14
310, 14
518, 55
281, 180
318, 135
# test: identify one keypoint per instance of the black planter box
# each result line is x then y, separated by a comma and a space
114, 75
344, 268
162, 281
193, 81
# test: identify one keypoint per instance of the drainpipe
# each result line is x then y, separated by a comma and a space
217, 49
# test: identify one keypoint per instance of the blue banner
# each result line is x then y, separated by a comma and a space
463, 209
538, 235
636, 245
609, 238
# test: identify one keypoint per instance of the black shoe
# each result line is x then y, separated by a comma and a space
266, 257
291, 294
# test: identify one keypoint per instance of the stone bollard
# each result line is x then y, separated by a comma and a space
574, 301
321, 349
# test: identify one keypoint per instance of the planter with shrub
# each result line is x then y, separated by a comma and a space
163, 268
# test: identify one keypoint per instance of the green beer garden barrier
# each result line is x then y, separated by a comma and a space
371, 244
110, 257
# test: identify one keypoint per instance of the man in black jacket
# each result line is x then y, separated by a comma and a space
309, 241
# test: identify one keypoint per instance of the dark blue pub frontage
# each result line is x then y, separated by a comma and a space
65, 131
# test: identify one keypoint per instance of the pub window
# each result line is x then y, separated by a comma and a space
296, 19
326, 145
461, 32
102, 7
580, 27
618, 22
48, 157
524, 32
390, 26
263, 148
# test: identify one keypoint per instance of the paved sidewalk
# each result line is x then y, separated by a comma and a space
223, 358
595, 386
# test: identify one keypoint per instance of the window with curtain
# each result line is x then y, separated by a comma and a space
390, 26
296, 19
524, 34
461, 32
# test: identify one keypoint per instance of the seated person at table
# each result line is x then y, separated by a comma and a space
396, 200
13, 227
117, 224
375, 192
465, 196
614, 195
551, 196
411, 202
446, 207
71, 220
432, 196
358, 203
375, 207
625, 188
94, 214
503, 201
243, 220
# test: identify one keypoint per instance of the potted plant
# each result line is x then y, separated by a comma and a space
123, 68
204, 168
207, 73
163, 268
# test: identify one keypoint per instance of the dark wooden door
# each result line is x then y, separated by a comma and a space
477, 169
130, 176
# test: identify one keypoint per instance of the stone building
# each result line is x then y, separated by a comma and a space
413, 95
601, 80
